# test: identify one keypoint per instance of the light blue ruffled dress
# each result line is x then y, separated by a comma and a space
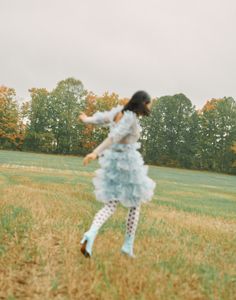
122, 174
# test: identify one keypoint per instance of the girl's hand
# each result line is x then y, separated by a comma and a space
82, 116
88, 157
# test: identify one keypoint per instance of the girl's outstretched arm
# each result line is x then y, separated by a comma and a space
100, 117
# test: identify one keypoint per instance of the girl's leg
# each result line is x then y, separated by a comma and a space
104, 213
131, 226
100, 218
132, 220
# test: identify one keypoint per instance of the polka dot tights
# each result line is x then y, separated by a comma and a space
108, 210
132, 220
103, 214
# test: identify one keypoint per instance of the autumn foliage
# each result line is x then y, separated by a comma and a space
176, 134
12, 129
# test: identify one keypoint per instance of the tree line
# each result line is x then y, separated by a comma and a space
176, 134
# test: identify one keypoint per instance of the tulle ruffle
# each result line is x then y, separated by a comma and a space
123, 176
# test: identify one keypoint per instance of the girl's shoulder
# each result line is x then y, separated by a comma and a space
126, 119
129, 115
114, 111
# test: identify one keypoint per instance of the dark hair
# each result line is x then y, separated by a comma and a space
137, 103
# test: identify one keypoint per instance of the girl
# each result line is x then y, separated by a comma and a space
123, 176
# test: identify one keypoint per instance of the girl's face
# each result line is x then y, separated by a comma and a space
149, 104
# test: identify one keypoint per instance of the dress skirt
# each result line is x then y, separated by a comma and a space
123, 176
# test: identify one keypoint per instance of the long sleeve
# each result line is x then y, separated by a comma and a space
103, 117
121, 130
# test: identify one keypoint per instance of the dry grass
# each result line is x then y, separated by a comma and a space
44, 213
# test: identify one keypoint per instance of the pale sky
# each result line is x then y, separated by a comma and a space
161, 46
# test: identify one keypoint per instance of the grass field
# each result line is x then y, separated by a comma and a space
185, 241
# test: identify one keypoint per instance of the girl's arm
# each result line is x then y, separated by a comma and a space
103, 117
104, 145
122, 129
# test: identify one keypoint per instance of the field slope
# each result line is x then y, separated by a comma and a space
185, 242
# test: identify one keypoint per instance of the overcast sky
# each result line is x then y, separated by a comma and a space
161, 46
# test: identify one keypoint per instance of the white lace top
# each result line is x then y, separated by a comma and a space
126, 131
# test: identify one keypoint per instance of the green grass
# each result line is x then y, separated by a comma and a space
208, 193
185, 241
